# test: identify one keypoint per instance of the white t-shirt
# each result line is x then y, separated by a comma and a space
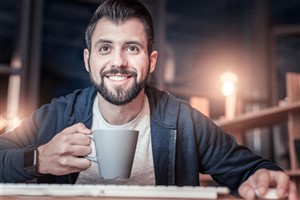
142, 170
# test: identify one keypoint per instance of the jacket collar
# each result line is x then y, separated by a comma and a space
164, 107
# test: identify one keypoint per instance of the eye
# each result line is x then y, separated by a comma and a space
132, 49
104, 50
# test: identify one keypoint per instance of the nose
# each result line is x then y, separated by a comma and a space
119, 59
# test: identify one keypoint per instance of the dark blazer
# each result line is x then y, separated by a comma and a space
184, 141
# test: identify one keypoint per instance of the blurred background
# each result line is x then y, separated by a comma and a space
42, 42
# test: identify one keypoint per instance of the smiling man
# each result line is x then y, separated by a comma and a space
175, 144
118, 61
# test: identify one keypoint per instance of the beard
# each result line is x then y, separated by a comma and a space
119, 96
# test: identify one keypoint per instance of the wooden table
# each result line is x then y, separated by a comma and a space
93, 198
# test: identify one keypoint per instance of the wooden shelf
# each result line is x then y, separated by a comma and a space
293, 172
6, 69
265, 117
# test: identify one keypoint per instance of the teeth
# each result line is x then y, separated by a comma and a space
118, 78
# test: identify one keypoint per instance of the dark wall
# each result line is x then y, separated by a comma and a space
204, 38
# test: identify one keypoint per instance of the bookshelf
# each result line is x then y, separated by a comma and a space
272, 116
267, 117
24, 68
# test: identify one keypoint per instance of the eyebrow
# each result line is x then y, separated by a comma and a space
104, 41
134, 42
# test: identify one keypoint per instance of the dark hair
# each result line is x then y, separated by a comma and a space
119, 11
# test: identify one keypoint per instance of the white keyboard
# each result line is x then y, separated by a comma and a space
112, 191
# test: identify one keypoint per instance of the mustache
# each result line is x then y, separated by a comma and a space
118, 71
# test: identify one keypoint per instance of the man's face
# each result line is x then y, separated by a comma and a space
119, 63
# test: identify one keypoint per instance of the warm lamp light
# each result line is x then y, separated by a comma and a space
13, 123
228, 88
3, 122
229, 80
9, 124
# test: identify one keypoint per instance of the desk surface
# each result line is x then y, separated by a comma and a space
92, 198
109, 192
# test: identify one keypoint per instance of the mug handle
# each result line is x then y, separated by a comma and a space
92, 158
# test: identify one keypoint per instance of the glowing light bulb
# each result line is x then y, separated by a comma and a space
228, 88
228, 80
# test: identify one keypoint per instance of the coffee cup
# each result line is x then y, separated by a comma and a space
115, 150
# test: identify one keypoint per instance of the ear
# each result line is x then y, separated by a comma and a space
153, 59
86, 56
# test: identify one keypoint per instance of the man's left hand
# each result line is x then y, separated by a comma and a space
264, 179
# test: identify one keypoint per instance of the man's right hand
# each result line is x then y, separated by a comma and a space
63, 154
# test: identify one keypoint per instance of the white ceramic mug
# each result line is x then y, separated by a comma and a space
115, 150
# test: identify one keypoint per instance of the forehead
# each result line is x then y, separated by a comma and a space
130, 29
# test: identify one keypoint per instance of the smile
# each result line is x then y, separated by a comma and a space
118, 78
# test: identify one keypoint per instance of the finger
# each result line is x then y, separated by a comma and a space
78, 150
246, 191
65, 141
292, 191
262, 180
63, 170
282, 181
78, 139
71, 129
81, 128
76, 128
81, 163
74, 149
69, 162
